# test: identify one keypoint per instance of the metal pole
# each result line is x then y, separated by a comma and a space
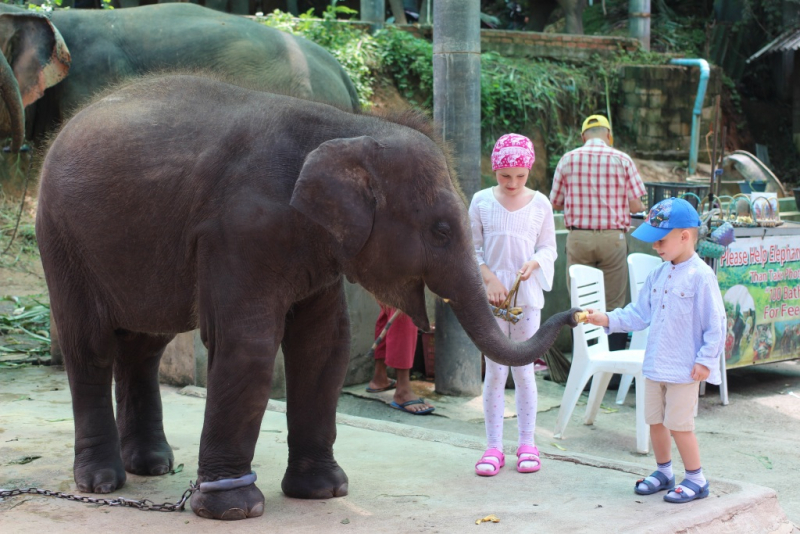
374, 12
456, 111
639, 21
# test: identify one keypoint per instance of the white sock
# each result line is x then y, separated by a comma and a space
695, 476
665, 469
488, 468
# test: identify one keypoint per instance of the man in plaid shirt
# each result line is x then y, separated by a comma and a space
598, 187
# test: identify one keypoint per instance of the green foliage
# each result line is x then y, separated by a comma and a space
409, 62
351, 46
25, 327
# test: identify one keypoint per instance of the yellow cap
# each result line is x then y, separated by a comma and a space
593, 121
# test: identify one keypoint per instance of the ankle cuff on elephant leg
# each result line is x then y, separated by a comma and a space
226, 484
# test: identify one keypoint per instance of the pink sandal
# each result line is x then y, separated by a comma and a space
532, 455
490, 457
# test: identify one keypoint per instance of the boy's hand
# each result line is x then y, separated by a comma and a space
527, 269
597, 318
496, 291
700, 372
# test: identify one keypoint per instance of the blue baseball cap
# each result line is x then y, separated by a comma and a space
664, 217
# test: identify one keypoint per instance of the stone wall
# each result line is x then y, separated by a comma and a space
561, 47
655, 110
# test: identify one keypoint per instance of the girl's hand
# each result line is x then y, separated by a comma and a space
596, 318
700, 372
496, 291
527, 269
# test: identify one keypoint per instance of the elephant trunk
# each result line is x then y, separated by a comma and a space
12, 101
472, 310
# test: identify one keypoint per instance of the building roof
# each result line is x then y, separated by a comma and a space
788, 40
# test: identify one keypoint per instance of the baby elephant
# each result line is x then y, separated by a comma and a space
181, 202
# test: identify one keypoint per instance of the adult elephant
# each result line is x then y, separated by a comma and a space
256, 209
60, 60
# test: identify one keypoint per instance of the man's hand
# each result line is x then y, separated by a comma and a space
527, 269
700, 372
636, 205
597, 318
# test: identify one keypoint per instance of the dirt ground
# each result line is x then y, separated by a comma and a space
753, 439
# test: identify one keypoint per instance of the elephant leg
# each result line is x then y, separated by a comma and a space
88, 358
242, 337
145, 450
316, 348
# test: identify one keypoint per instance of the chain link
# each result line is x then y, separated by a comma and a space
144, 504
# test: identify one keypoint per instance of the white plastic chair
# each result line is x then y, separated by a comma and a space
591, 357
639, 266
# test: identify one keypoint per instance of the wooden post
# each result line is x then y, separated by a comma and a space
457, 113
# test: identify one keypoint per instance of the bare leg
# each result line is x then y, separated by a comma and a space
688, 448
662, 444
380, 379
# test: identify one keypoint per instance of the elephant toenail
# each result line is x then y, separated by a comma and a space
256, 510
233, 514
202, 512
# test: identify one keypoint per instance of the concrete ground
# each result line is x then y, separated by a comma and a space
413, 474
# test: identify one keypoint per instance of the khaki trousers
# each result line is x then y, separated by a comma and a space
606, 250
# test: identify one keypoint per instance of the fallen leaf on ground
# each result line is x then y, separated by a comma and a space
24, 460
557, 446
488, 519
177, 470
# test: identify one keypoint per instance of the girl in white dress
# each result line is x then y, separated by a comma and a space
514, 233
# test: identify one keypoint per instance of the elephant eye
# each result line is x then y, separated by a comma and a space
441, 232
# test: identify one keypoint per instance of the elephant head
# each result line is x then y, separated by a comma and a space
34, 58
401, 224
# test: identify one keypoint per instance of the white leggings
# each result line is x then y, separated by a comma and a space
494, 385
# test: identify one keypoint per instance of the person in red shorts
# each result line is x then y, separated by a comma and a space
397, 352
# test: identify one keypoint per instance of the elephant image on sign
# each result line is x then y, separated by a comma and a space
244, 228
59, 61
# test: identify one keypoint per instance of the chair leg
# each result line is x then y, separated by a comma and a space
599, 386
624, 385
723, 386
642, 430
702, 389
572, 392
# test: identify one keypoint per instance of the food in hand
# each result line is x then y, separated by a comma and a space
582, 317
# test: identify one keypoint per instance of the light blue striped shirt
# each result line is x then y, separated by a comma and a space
683, 307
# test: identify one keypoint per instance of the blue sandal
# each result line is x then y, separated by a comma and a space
699, 493
665, 484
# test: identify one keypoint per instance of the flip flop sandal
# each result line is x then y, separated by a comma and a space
392, 385
403, 407
699, 493
490, 457
664, 484
532, 455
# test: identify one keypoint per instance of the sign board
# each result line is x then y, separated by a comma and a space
759, 278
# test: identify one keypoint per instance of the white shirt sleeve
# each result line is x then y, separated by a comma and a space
477, 229
545, 251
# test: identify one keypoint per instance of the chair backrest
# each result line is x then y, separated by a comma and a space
639, 266
587, 290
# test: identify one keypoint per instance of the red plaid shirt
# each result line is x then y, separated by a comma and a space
595, 184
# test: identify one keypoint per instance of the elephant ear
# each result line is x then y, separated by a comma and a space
36, 52
335, 190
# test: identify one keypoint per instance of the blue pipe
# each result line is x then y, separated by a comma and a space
698, 106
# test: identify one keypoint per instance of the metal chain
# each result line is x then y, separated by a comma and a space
144, 504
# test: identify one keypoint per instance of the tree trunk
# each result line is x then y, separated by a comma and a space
397, 11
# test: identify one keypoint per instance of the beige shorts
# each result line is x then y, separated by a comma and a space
670, 404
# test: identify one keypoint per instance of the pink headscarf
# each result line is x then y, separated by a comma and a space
513, 150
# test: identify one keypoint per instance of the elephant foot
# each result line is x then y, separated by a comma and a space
315, 482
147, 459
99, 476
230, 505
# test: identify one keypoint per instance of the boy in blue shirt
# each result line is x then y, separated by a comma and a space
681, 303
